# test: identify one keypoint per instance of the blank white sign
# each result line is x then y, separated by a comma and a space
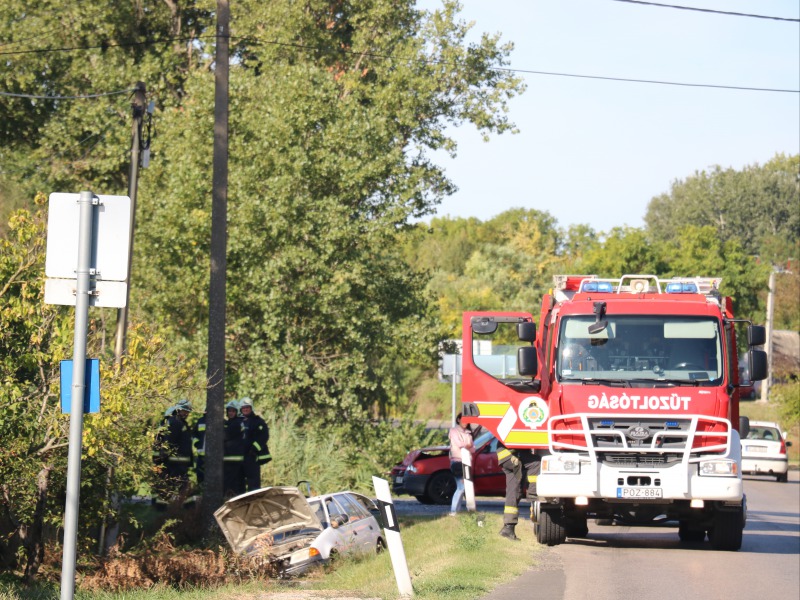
111, 237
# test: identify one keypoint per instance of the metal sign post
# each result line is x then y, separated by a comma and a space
451, 367
87, 202
88, 270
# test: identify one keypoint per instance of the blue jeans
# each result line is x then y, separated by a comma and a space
457, 495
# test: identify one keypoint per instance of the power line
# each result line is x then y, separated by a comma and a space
104, 45
391, 57
653, 81
550, 73
37, 97
708, 10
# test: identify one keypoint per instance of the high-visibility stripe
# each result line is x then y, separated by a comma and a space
532, 478
511, 510
257, 446
232, 458
492, 409
179, 459
263, 456
201, 427
526, 437
504, 453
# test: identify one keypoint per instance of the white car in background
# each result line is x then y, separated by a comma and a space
295, 533
764, 451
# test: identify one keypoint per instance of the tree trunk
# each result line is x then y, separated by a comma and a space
33, 540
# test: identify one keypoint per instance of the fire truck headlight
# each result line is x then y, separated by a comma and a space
719, 468
559, 464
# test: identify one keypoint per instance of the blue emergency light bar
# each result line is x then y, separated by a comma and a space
597, 286
681, 288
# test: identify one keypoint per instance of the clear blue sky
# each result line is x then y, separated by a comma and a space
596, 152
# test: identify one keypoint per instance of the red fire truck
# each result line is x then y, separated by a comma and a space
629, 390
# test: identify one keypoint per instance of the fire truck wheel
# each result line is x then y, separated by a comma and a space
687, 533
441, 487
727, 531
550, 529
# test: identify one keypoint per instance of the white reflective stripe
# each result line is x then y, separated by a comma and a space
508, 422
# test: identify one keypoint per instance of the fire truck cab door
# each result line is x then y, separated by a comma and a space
493, 393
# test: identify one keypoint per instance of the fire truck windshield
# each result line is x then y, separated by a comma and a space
640, 348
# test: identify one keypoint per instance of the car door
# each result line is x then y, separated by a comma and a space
342, 538
488, 477
362, 524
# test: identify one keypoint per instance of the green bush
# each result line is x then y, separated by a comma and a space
345, 456
787, 397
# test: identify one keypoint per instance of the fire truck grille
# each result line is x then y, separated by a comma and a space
639, 460
607, 434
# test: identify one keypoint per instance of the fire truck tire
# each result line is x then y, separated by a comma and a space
783, 477
423, 499
550, 529
577, 527
441, 487
687, 533
727, 531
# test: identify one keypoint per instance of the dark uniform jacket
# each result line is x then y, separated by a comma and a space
255, 433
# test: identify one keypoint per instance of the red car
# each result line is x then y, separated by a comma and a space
425, 473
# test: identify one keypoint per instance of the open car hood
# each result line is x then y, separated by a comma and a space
272, 521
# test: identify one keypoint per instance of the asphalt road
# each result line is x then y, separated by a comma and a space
642, 563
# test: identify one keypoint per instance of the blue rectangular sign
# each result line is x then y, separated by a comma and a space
91, 399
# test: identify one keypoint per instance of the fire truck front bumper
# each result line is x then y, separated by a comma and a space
565, 476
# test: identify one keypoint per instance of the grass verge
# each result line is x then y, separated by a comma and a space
449, 558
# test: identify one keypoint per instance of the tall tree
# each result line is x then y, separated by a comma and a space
335, 108
758, 206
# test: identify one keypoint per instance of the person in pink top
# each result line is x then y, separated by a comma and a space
460, 437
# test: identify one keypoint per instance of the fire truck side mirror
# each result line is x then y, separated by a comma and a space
526, 331
527, 362
756, 335
758, 365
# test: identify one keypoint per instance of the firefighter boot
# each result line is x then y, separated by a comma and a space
508, 532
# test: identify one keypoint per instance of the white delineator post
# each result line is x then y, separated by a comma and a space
393, 540
469, 485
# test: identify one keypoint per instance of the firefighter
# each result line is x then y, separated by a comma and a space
255, 434
521, 468
178, 449
233, 459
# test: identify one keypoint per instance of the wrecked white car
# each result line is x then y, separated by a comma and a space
295, 533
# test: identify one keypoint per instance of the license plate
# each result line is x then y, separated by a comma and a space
756, 449
398, 480
639, 492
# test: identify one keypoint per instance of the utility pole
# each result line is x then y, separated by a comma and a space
138, 105
215, 393
765, 385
